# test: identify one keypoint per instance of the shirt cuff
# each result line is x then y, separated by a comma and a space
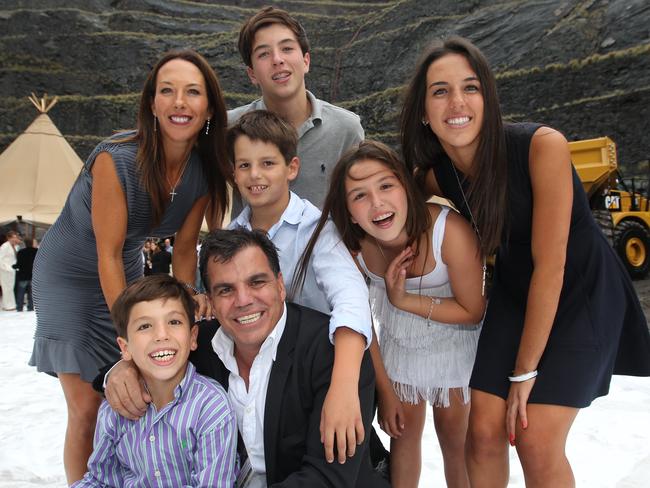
109, 372
366, 333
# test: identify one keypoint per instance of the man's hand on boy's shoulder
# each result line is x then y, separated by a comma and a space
125, 391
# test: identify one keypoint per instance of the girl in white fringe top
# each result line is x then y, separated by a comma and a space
424, 269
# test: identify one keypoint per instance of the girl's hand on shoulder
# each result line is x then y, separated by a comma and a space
395, 277
516, 407
390, 414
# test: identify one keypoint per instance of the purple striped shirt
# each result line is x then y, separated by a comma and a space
191, 442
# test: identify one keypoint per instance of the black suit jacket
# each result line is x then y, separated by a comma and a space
300, 378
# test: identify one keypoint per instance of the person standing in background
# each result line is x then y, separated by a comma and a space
168, 246
146, 257
161, 258
7, 271
24, 265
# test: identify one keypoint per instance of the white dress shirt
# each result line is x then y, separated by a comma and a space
249, 404
333, 284
7, 257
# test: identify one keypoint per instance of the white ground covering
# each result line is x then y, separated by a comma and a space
609, 445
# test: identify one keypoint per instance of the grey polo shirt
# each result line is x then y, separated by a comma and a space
323, 138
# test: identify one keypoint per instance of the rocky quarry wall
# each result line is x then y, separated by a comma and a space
582, 66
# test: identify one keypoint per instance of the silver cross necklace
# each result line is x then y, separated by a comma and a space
173, 193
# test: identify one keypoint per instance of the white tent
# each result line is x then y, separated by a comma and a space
37, 171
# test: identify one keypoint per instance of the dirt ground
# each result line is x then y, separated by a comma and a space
643, 290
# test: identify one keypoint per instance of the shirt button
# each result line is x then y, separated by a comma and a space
249, 409
156, 474
152, 438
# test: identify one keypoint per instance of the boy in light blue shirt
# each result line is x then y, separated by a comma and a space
262, 148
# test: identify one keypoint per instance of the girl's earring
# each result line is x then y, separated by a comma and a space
425, 122
207, 127
155, 123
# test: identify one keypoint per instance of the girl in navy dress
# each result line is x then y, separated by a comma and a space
562, 314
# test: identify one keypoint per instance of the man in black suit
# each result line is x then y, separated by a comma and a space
276, 361
24, 267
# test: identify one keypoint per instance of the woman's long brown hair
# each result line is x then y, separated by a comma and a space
210, 147
422, 149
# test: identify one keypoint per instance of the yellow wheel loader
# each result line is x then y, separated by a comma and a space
619, 205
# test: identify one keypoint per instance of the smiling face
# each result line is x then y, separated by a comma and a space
376, 201
262, 174
454, 105
181, 102
278, 64
247, 298
160, 338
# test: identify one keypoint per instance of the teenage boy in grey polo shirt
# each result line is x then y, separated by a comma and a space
274, 47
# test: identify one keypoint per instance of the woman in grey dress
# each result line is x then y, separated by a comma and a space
155, 181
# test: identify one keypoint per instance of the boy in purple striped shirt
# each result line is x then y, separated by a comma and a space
188, 436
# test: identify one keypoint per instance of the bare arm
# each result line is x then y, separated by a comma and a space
341, 421
350, 329
551, 179
184, 256
109, 220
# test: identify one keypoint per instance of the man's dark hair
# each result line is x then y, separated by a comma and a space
265, 126
264, 18
222, 245
148, 289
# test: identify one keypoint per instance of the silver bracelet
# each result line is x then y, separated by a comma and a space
523, 377
191, 287
434, 301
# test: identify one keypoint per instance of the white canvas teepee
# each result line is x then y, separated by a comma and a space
37, 171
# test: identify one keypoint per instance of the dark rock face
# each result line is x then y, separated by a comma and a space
581, 66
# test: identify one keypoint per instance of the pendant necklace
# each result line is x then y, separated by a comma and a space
173, 193
478, 234
380, 250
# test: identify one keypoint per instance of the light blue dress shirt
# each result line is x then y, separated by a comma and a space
333, 284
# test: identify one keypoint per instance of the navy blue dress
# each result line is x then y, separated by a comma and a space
74, 332
599, 328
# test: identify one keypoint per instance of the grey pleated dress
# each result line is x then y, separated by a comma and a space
74, 332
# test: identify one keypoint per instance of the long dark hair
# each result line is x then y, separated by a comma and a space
418, 218
211, 147
422, 149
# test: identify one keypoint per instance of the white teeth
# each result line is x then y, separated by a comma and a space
249, 319
165, 355
278, 76
180, 119
382, 216
458, 120
257, 189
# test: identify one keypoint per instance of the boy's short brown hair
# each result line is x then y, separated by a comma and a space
265, 126
148, 289
263, 18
